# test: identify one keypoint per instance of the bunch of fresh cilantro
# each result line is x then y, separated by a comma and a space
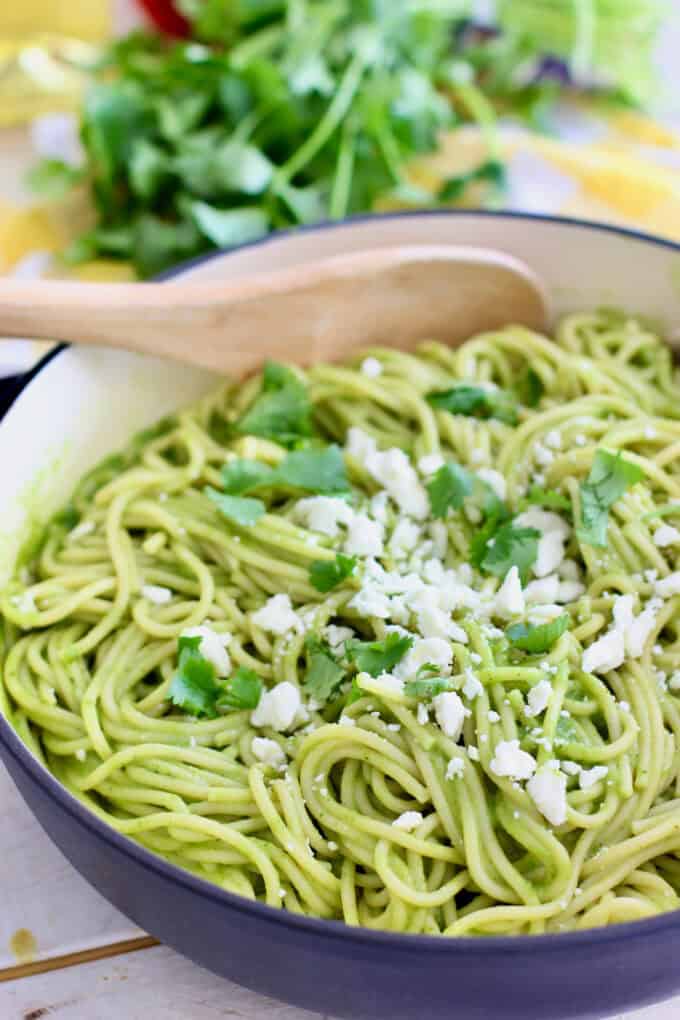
295, 112
287, 112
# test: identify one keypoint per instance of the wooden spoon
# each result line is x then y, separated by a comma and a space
314, 312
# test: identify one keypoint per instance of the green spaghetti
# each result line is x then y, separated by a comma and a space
394, 642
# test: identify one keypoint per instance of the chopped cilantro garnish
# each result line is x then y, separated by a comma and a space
242, 691
326, 575
240, 476
506, 547
476, 402
551, 498
245, 512
427, 687
376, 657
316, 470
282, 411
320, 471
537, 639
324, 674
610, 476
195, 687
448, 488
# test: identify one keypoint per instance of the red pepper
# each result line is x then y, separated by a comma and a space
164, 15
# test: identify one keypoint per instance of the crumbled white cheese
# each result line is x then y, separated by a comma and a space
666, 535
668, 586
607, 653
450, 713
538, 698
408, 821
81, 754
430, 463
436, 650
280, 708
493, 716
472, 687
589, 777
542, 455
156, 593
510, 760
365, 537
337, 636
572, 768
569, 570
473, 753
553, 439
213, 647
346, 720
371, 367
25, 602
277, 616
422, 714
404, 538
455, 768
323, 514
393, 470
544, 590
509, 600
440, 538
639, 632
378, 506
570, 591
548, 790
495, 480
268, 751
674, 682
554, 534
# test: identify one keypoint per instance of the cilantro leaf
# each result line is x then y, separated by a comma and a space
242, 691
282, 411
241, 475
537, 639
427, 687
448, 488
551, 498
53, 178
376, 657
530, 388
193, 687
227, 228
245, 512
476, 402
326, 575
610, 476
508, 547
317, 470
320, 471
324, 675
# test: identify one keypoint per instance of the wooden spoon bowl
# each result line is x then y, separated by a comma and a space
324, 311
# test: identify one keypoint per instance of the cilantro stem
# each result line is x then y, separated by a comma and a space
342, 181
256, 45
481, 111
333, 116
390, 152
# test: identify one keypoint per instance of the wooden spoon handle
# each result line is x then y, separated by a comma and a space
304, 313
